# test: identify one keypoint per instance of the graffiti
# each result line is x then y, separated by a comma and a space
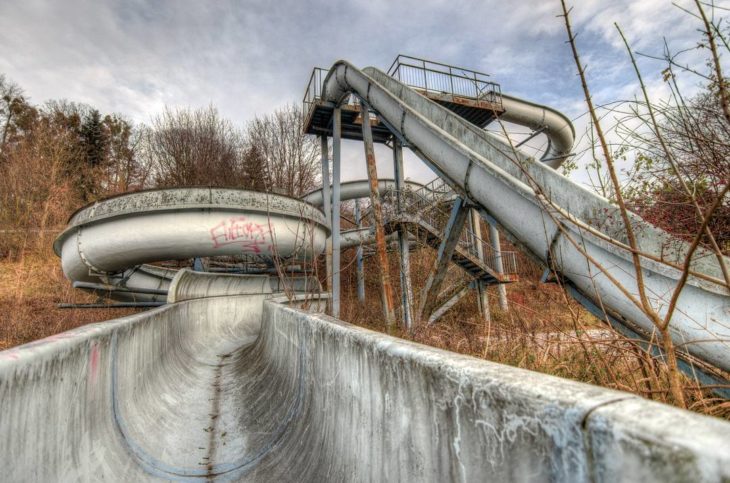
94, 356
252, 237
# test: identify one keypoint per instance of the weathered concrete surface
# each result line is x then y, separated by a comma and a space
194, 391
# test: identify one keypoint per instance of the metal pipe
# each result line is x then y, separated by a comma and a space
380, 244
403, 242
119, 305
111, 288
440, 311
531, 136
557, 127
358, 255
352, 190
482, 295
336, 148
483, 301
327, 202
498, 265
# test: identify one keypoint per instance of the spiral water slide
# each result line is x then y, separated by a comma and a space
242, 378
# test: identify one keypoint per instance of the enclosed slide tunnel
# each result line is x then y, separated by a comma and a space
232, 381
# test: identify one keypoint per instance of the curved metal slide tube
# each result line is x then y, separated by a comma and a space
112, 240
549, 223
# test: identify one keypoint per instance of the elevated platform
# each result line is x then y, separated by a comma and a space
465, 92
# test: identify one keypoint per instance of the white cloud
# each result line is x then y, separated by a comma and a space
248, 57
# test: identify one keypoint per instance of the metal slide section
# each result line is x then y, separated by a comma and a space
110, 241
250, 388
544, 220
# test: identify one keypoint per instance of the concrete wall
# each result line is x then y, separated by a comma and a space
189, 392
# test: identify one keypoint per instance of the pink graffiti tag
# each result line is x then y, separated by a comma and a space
94, 356
237, 231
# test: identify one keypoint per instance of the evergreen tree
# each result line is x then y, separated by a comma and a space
92, 137
254, 169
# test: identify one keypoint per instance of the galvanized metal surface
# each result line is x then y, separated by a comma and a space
109, 241
359, 258
404, 248
449, 240
480, 287
496, 247
335, 215
327, 205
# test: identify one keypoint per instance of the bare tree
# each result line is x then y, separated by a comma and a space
123, 170
36, 193
292, 158
669, 145
186, 147
11, 99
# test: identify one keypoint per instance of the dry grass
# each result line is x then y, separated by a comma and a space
30, 288
543, 331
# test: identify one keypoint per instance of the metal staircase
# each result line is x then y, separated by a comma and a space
425, 212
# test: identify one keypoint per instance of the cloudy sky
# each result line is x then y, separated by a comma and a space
247, 58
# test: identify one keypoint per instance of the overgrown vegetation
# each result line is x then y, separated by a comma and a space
59, 156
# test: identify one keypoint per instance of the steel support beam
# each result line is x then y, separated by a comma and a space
449, 240
440, 311
386, 291
497, 248
403, 241
358, 254
119, 305
531, 136
483, 301
327, 199
336, 149
481, 287
102, 288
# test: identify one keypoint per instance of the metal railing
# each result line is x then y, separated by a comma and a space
445, 79
313, 93
422, 74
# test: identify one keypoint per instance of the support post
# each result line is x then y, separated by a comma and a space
327, 198
336, 148
497, 248
439, 312
386, 291
481, 287
403, 242
360, 264
450, 239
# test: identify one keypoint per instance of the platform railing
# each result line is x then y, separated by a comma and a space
313, 93
441, 78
